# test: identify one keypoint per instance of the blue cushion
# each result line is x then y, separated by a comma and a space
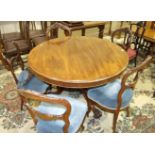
78, 111
28, 81
107, 95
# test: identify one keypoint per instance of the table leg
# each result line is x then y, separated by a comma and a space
110, 26
83, 32
101, 29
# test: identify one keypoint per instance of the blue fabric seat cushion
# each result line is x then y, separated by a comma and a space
107, 95
27, 80
78, 111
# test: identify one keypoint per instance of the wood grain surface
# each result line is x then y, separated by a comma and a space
77, 62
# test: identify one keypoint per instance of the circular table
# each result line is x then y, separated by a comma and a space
77, 62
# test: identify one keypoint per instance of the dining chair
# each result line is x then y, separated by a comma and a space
25, 80
54, 113
116, 95
124, 36
32, 31
51, 33
131, 42
20, 38
142, 45
12, 36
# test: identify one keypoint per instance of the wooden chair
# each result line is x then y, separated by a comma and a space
25, 80
12, 36
54, 113
143, 46
32, 31
116, 96
126, 36
51, 33
23, 43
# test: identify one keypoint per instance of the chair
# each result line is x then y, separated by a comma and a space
131, 42
125, 43
116, 95
12, 36
25, 80
32, 31
54, 113
23, 43
143, 46
51, 33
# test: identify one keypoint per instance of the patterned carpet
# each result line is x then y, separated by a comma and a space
142, 118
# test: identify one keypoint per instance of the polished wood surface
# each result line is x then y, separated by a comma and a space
77, 62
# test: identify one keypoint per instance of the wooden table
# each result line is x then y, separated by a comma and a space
77, 62
87, 25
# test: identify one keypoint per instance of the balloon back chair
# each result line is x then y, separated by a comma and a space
54, 113
25, 80
116, 96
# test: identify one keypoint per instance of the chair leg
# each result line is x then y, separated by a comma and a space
84, 91
115, 121
127, 112
22, 103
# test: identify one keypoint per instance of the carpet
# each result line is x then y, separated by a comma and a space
142, 117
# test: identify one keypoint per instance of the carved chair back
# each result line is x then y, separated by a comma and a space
131, 84
10, 64
124, 33
138, 34
37, 98
52, 31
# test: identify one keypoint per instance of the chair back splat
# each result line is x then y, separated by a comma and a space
54, 113
27, 94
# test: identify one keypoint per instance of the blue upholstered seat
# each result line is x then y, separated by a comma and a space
26, 80
107, 95
78, 111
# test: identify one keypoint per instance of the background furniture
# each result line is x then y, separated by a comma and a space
23, 43
116, 96
125, 43
83, 26
53, 113
51, 33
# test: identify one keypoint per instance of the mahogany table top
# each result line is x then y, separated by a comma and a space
77, 62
